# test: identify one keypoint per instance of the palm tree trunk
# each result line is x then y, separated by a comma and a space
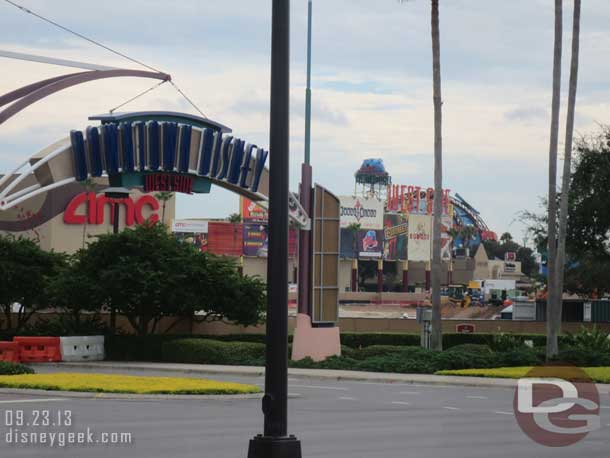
567, 164
436, 337
554, 299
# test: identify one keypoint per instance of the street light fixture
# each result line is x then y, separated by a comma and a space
275, 442
116, 194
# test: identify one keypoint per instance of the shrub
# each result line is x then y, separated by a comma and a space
375, 350
506, 342
518, 357
583, 358
588, 339
7, 368
204, 351
361, 340
471, 348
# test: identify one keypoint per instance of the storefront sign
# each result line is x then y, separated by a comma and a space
415, 199
170, 182
88, 208
420, 237
366, 212
465, 328
252, 212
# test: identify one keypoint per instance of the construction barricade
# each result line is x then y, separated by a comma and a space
38, 349
87, 348
9, 351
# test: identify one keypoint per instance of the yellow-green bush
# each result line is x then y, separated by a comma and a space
113, 383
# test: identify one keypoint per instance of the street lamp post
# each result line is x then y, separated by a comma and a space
275, 442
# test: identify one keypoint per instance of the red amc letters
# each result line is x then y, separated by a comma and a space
94, 213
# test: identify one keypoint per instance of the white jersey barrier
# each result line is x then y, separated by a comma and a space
86, 348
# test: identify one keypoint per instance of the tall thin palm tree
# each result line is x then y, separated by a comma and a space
437, 337
553, 311
163, 196
567, 164
436, 341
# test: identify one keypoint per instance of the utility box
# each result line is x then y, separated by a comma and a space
424, 318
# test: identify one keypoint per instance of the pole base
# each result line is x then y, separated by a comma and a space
274, 447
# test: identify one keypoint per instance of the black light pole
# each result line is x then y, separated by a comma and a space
275, 442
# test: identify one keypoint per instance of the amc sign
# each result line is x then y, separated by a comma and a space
87, 207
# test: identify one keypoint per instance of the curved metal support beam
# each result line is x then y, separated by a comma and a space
25, 90
39, 92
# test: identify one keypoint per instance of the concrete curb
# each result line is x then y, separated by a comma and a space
320, 374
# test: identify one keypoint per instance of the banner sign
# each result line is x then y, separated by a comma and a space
187, 225
446, 239
420, 237
396, 231
415, 199
256, 240
370, 244
366, 212
251, 212
192, 232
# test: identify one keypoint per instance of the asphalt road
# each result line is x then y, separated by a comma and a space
332, 419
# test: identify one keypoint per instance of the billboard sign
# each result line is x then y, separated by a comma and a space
420, 237
370, 244
395, 232
252, 212
366, 212
446, 239
256, 240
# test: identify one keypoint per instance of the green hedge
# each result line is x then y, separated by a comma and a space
361, 340
7, 368
205, 351
416, 360
148, 348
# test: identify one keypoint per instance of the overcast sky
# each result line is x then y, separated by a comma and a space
372, 89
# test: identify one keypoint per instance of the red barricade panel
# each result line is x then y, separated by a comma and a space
9, 351
39, 349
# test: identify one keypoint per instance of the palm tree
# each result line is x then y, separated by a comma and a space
467, 233
163, 196
553, 312
506, 237
567, 164
436, 336
235, 218
355, 228
436, 341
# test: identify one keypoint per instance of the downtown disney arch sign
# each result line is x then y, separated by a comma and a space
183, 153
154, 151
